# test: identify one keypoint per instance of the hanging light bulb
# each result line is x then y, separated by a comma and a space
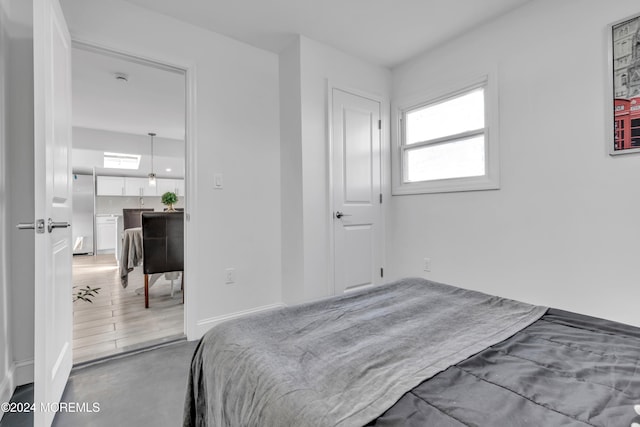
152, 174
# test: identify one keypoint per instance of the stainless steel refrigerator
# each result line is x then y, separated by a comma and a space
83, 214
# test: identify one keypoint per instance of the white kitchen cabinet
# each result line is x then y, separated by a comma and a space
180, 187
138, 187
106, 234
173, 185
133, 186
110, 186
163, 185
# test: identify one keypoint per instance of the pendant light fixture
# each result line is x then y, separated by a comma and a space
152, 174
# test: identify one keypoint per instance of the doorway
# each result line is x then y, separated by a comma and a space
128, 124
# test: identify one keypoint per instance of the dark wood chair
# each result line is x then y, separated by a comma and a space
162, 246
131, 217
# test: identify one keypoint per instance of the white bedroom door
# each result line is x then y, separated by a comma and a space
357, 197
52, 182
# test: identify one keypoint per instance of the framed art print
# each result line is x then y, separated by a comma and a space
625, 75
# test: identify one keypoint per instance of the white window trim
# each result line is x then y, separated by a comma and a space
489, 181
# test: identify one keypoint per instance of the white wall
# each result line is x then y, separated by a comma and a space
305, 190
6, 376
292, 219
562, 230
19, 154
236, 134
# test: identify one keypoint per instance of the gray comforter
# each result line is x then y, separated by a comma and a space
565, 369
342, 361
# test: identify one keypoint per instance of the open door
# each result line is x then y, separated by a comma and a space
52, 186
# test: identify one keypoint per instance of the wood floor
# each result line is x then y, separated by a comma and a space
117, 321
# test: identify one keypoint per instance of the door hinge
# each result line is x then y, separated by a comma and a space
381, 272
379, 124
380, 198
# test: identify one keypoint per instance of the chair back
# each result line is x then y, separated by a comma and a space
162, 242
131, 217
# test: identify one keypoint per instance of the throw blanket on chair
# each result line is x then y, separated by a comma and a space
131, 255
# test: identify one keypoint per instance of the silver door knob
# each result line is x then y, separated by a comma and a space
51, 225
340, 214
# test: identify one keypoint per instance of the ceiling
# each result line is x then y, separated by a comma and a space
152, 100
383, 32
112, 115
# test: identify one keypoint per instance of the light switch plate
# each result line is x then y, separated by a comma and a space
217, 181
230, 275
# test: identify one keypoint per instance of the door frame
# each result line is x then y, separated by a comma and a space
384, 185
190, 224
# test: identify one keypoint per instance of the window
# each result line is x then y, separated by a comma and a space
444, 145
121, 161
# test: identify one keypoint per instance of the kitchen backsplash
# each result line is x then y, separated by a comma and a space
114, 204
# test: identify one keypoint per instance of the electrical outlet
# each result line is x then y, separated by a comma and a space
230, 275
427, 264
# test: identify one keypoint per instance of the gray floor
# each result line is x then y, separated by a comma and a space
145, 389
22, 394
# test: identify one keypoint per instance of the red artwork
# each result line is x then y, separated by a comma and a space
626, 84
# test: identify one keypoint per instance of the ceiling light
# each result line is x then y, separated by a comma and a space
152, 175
168, 170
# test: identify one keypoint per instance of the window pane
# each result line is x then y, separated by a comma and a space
121, 161
451, 117
459, 159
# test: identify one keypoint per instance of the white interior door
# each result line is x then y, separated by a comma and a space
53, 249
356, 177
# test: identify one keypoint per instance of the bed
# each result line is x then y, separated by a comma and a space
416, 353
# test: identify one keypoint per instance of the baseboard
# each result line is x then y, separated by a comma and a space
19, 373
205, 324
7, 385
23, 372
